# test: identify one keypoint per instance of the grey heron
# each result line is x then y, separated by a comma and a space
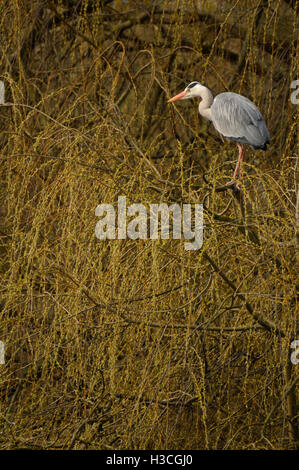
233, 116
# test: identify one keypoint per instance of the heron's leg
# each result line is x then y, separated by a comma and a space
240, 159
238, 165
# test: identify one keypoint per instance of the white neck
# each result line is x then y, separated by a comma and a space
204, 107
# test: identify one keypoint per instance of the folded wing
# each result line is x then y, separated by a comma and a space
238, 119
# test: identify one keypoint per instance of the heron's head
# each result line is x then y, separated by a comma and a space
193, 90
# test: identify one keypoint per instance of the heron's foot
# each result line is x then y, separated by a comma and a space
236, 183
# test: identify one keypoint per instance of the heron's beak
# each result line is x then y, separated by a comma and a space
177, 97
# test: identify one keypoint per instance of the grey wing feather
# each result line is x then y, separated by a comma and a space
237, 118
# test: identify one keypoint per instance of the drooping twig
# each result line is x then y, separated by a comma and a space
267, 324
